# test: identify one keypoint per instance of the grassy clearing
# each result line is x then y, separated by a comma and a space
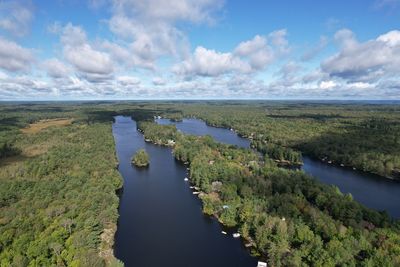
43, 124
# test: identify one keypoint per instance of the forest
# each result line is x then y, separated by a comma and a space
58, 201
59, 186
361, 136
288, 217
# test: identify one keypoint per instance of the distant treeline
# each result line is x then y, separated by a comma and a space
366, 137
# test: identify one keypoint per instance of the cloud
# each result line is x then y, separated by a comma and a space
249, 56
197, 11
207, 62
127, 56
128, 80
368, 61
14, 57
55, 68
314, 51
360, 85
279, 41
16, 17
92, 64
327, 84
159, 81
150, 26
257, 51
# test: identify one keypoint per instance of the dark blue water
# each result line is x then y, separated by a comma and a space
370, 190
199, 127
161, 222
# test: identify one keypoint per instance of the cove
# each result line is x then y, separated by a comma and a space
370, 190
161, 222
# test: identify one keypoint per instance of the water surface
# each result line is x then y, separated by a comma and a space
161, 222
371, 190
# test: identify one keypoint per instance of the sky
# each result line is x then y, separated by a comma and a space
199, 49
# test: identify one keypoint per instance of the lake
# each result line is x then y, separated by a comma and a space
371, 190
161, 222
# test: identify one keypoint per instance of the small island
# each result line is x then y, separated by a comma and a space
141, 158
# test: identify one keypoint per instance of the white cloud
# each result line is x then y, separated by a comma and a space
314, 51
249, 56
207, 62
127, 56
88, 60
279, 41
159, 81
366, 61
128, 80
16, 17
197, 11
55, 68
150, 25
14, 57
327, 84
360, 85
91, 63
391, 38
257, 51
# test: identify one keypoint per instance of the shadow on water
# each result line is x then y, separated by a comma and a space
161, 222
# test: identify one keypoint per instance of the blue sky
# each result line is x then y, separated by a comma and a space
199, 49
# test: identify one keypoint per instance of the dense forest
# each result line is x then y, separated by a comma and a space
59, 184
288, 217
58, 201
365, 137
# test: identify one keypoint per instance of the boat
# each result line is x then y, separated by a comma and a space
186, 179
236, 235
261, 264
196, 193
223, 232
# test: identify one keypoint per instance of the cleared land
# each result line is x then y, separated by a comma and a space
43, 124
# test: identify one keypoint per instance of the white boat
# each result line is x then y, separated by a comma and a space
236, 235
223, 232
186, 179
261, 264
196, 193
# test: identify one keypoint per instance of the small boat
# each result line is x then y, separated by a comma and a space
236, 235
191, 187
223, 232
342, 165
261, 264
196, 193
186, 179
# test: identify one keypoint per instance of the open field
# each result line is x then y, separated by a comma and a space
43, 124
